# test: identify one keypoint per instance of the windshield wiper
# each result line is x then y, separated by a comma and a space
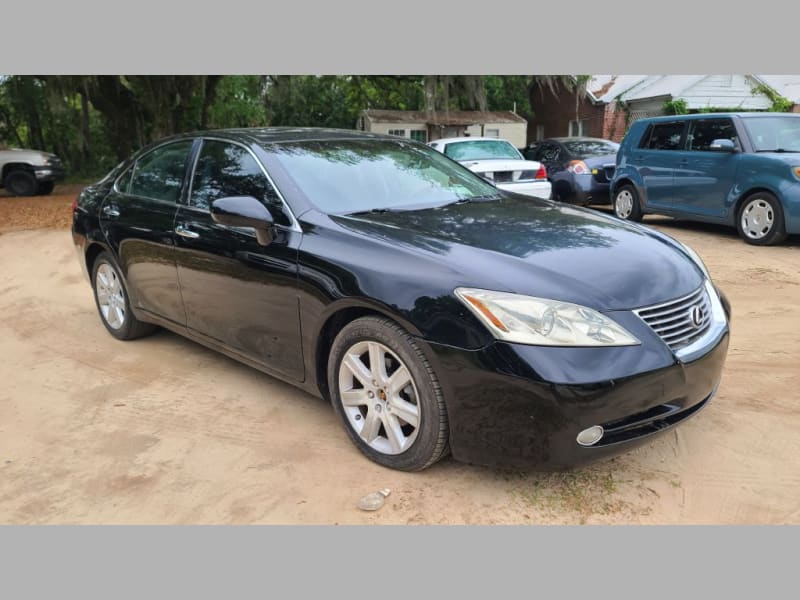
778, 150
372, 211
489, 198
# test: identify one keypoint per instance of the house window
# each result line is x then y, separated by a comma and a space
539, 133
419, 135
579, 128
495, 133
398, 132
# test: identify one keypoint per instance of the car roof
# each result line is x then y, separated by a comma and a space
264, 136
742, 115
576, 139
469, 138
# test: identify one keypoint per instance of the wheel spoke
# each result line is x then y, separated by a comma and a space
399, 379
101, 275
358, 369
102, 296
377, 363
405, 410
393, 432
372, 424
354, 397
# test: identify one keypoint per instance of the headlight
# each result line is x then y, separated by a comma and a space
696, 259
543, 322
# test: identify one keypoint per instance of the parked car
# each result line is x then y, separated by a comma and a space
499, 162
437, 313
737, 169
29, 172
580, 168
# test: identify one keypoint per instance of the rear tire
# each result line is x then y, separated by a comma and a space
626, 204
20, 183
112, 301
393, 410
760, 220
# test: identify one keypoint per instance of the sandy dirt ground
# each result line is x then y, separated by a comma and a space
161, 430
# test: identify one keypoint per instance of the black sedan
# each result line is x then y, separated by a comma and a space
579, 168
437, 313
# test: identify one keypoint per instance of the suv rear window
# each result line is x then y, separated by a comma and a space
664, 136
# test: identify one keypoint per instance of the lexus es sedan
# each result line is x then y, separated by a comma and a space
437, 313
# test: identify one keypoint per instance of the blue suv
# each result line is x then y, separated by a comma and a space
738, 169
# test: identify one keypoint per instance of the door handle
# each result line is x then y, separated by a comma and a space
183, 232
110, 211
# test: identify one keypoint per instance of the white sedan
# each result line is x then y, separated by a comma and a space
499, 162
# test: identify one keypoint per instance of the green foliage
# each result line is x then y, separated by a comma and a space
93, 121
675, 107
779, 103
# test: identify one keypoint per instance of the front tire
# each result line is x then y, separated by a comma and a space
21, 183
626, 204
386, 393
112, 301
760, 220
45, 188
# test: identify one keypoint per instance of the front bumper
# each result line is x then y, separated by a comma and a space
523, 406
49, 173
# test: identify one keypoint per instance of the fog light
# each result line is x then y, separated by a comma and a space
590, 436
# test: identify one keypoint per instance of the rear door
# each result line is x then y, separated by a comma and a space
237, 292
656, 159
137, 220
704, 178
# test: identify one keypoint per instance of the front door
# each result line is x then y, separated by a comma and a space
704, 178
137, 220
235, 291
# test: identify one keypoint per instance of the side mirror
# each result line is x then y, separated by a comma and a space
722, 145
244, 211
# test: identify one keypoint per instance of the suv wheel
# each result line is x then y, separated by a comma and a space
626, 204
20, 183
760, 220
45, 187
386, 393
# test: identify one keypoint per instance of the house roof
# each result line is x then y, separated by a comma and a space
453, 117
605, 88
699, 91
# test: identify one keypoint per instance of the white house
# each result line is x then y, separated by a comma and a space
428, 126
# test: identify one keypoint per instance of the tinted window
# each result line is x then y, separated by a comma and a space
703, 132
345, 176
481, 150
664, 136
160, 173
225, 169
587, 148
549, 153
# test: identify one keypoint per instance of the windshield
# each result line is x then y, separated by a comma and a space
589, 148
774, 133
357, 175
481, 150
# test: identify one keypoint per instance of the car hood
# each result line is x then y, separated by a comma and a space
486, 166
540, 248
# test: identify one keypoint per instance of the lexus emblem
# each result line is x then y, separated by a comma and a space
697, 316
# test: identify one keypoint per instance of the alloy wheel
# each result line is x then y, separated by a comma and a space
110, 296
379, 397
623, 206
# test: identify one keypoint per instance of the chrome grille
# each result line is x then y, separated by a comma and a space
679, 322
